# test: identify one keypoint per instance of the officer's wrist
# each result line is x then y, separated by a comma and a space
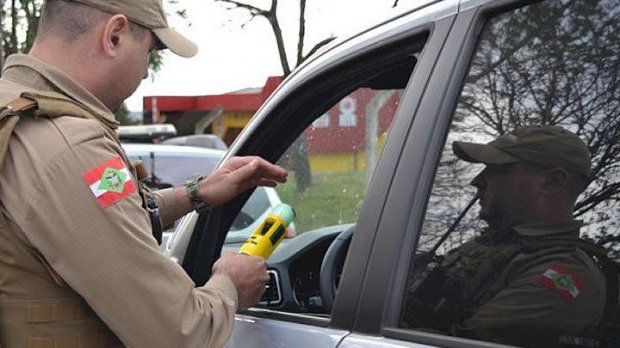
198, 203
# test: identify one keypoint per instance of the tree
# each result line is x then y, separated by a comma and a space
22, 17
271, 16
298, 152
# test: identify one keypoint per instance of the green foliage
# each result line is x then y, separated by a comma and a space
19, 20
342, 192
122, 115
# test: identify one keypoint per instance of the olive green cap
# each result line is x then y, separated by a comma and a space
546, 146
149, 14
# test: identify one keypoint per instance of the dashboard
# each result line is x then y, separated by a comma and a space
294, 270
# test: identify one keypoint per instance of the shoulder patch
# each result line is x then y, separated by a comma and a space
562, 281
110, 182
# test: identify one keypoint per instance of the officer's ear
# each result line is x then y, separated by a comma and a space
555, 180
116, 27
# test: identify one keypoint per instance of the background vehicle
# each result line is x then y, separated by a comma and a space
171, 165
210, 141
386, 105
148, 133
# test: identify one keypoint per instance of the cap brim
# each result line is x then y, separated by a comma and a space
176, 42
481, 153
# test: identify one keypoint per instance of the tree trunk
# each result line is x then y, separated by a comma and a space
372, 129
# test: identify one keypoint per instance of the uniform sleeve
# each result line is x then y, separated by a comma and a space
106, 253
538, 308
165, 202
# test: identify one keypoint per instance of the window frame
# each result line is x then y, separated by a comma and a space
284, 125
458, 53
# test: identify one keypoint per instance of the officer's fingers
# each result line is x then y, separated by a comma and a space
265, 277
228, 254
267, 182
271, 171
258, 263
237, 162
247, 172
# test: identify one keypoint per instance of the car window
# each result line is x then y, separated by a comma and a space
334, 158
478, 272
330, 166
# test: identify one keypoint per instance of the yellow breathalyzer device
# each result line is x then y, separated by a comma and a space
270, 232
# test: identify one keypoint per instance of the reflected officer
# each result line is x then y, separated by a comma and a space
525, 280
79, 266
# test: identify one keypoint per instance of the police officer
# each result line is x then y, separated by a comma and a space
78, 264
525, 280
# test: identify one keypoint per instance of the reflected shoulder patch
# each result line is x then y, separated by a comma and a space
561, 281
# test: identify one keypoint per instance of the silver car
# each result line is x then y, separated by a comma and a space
367, 124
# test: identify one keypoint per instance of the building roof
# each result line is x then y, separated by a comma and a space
247, 99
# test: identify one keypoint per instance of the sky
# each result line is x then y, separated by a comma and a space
231, 58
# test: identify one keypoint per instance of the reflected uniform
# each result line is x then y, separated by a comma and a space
528, 286
78, 264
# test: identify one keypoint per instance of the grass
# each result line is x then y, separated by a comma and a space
333, 198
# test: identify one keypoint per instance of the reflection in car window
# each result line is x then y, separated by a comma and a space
518, 267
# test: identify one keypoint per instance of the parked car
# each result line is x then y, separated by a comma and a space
171, 165
146, 133
374, 115
210, 141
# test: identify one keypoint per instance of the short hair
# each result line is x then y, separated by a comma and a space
70, 20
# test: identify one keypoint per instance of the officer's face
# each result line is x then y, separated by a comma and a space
134, 65
508, 194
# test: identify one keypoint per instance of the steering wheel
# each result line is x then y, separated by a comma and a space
332, 262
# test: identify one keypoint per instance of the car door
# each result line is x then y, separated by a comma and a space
372, 81
504, 64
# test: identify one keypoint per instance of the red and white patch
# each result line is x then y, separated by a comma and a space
110, 182
561, 281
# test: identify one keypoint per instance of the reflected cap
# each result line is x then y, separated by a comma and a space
149, 14
546, 146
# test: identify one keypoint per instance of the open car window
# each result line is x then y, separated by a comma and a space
331, 164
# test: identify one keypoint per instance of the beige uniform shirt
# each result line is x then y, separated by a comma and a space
106, 254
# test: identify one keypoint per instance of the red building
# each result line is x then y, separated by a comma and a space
226, 114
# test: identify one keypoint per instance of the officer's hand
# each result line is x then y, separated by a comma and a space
248, 273
238, 175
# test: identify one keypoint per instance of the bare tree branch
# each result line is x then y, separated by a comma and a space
254, 11
271, 16
317, 46
302, 31
277, 32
